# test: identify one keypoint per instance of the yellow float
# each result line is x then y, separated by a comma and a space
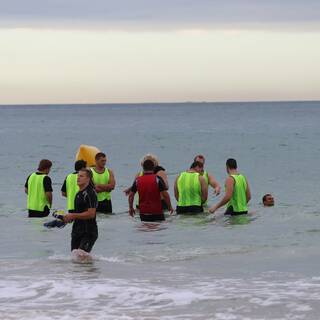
87, 153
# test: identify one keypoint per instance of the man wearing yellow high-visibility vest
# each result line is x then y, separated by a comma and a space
70, 186
208, 177
237, 192
104, 182
38, 187
191, 190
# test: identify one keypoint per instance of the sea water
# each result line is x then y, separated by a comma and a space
264, 266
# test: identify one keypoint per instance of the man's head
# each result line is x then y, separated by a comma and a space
268, 200
199, 158
84, 177
45, 165
80, 164
231, 164
148, 165
197, 166
101, 160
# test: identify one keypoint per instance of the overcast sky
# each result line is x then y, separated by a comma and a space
120, 14
70, 51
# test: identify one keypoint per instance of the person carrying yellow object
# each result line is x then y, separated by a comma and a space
70, 187
104, 182
38, 187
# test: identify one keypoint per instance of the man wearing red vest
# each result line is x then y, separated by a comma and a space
150, 188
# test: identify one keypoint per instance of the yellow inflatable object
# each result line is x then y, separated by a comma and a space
87, 153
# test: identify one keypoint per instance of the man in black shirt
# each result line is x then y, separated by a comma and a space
84, 230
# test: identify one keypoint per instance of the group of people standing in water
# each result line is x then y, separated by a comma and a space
88, 190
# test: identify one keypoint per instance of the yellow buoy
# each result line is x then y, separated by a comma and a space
87, 153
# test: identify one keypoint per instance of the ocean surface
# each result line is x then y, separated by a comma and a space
264, 266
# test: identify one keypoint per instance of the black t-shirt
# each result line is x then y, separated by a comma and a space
47, 184
158, 168
160, 182
84, 200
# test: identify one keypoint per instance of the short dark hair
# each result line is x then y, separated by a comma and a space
264, 198
200, 156
89, 174
148, 165
44, 164
100, 155
80, 164
231, 163
196, 164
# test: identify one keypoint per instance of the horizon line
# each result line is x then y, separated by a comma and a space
148, 103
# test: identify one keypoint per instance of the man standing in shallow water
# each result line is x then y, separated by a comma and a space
237, 191
104, 182
84, 230
151, 188
191, 190
38, 187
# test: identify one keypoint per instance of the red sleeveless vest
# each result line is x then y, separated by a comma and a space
149, 194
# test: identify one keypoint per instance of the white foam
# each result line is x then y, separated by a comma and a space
142, 299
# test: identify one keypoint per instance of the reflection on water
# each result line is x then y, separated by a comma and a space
152, 226
239, 220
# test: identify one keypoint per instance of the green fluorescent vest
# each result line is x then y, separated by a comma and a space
102, 178
37, 198
239, 198
189, 189
205, 175
72, 189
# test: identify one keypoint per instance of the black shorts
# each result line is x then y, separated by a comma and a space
39, 214
189, 209
152, 217
84, 241
230, 212
104, 206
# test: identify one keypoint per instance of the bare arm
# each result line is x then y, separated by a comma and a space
49, 197
130, 201
162, 174
176, 191
127, 190
109, 186
214, 184
229, 185
86, 215
165, 195
248, 192
204, 189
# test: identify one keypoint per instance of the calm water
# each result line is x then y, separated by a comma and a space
265, 266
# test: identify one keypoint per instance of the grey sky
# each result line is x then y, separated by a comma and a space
166, 14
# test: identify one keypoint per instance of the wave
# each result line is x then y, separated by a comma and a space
192, 298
